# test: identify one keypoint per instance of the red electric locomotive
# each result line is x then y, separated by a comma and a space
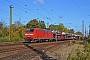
37, 34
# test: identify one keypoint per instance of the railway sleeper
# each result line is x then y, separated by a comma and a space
4, 54
17, 56
28, 57
13, 49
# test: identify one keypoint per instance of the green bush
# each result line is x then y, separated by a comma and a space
17, 39
4, 39
79, 54
87, 47
88, 39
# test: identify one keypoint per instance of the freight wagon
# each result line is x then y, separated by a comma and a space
67, 36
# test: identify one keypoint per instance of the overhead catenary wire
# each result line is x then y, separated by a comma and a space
52, 9
36, 12
27, 12
83, 9
13, 14
46, 10
61, 16
25, 8
3, 11
80, 7
38, 9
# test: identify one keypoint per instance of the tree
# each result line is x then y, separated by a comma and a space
32, 23
52, 27
79, 33
71, 31
66, 30
41, 24
1, 25
18, 23
18, 35
61, 27
1, 28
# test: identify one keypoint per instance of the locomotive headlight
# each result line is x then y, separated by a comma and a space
26, 34
31, 34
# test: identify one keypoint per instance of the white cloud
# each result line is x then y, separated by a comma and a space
41, 1
35, 2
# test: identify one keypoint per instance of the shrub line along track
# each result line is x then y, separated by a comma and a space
26, 51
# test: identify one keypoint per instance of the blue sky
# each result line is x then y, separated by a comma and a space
69, 12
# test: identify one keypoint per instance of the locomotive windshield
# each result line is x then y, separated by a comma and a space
30, 30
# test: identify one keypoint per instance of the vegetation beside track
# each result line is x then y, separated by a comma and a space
4, 39
75, 50
15, 39
81, 51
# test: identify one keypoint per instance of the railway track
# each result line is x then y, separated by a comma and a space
15, 51
28, 51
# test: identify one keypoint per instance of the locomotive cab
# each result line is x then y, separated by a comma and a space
29, 34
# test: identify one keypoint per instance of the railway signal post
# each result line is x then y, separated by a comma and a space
89, 29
